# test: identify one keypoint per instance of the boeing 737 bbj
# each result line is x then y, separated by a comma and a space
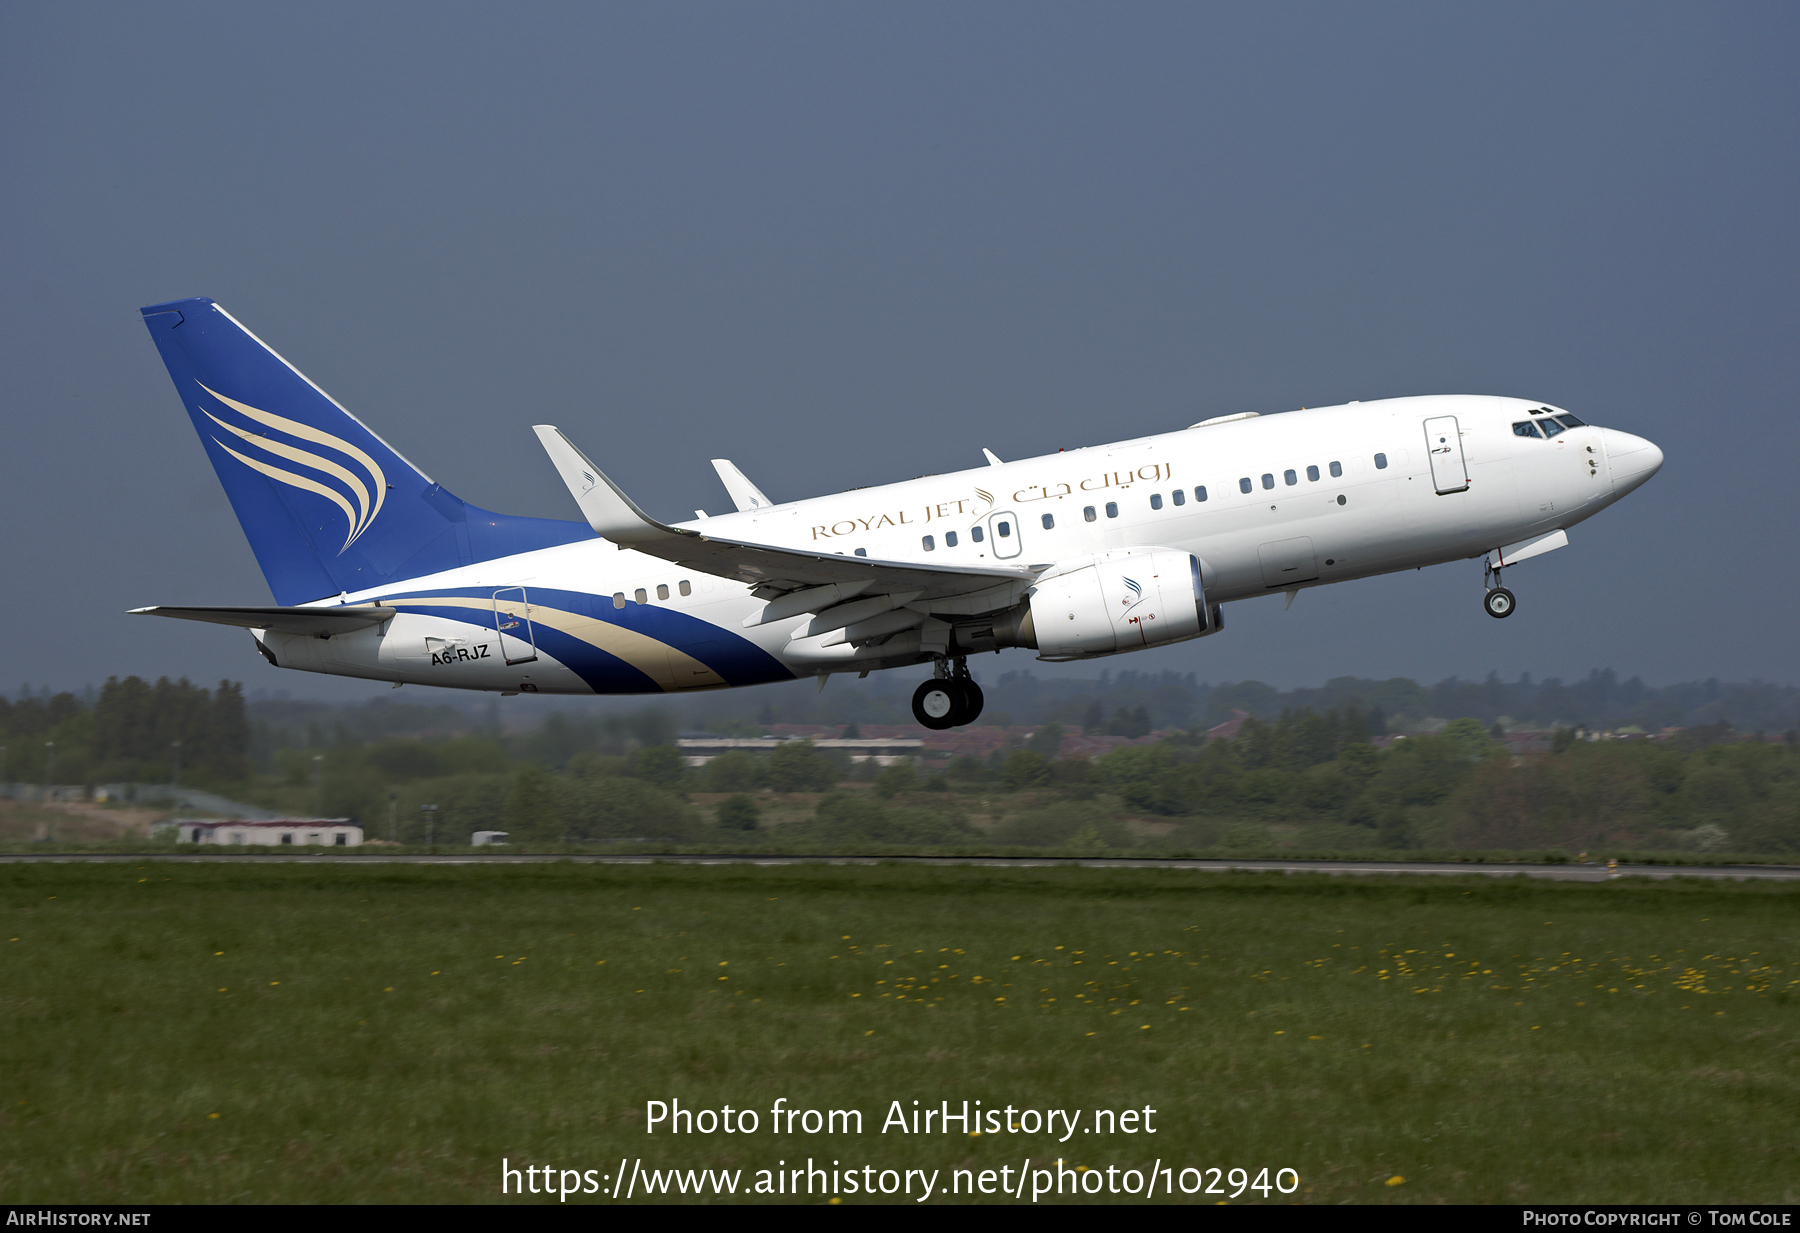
379, 572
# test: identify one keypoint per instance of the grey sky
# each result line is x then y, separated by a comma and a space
849, 244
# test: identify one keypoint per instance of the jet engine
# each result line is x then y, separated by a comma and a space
1124, 600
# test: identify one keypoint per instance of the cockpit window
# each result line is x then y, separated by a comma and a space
1525, 428
1569, 421
1551, 427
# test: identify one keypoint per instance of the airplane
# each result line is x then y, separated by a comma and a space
379, 572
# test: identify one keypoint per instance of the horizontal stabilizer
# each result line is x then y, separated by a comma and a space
319, 622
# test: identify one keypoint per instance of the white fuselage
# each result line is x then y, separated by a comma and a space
1374, 507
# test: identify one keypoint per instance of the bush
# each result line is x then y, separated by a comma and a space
1025, 768
968, 769
661, 765
614, 808
735, 771
896, 778
844, 819
796, 766
1063, 824
739, 813
1247, 837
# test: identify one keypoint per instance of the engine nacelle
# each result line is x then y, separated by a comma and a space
1124, 600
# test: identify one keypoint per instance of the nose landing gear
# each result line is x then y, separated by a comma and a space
950, 700
1498, 601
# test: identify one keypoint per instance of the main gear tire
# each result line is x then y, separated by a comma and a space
938, 704
973, 701
1499, 602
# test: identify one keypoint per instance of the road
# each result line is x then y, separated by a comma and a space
1555, 873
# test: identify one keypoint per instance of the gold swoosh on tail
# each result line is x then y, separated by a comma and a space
298, 481
307, 432
283, 450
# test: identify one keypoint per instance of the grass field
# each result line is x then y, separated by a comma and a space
214, 1033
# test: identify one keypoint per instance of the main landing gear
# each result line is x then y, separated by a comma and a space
1498, 601
950, 700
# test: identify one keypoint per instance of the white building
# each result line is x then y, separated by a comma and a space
698, 751
318, 832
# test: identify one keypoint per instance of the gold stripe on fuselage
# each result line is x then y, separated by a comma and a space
662, 663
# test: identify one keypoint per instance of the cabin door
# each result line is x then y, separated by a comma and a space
512, 622
1443, 444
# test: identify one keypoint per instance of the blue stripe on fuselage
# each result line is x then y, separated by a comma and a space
735, 658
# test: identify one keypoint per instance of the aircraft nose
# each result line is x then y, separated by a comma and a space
1632, 459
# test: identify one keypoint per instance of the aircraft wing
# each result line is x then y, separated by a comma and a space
777, 570
320, 622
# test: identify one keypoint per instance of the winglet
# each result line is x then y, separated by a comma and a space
744, 494
607, 509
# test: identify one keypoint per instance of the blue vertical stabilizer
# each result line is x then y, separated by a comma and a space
328, 506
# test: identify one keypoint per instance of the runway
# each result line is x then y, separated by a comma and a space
1554, 873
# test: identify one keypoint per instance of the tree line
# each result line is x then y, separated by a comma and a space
1307, 779
133, 731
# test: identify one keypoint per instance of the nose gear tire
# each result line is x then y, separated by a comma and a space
1499, 602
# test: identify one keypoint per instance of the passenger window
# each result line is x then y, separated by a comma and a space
862, 552
1381, 462
1088, 514
1525, 428
949, 539
1337, 470
1268, 480
1290, 478
1179, 497
1244, 484
1551, 427
1569, 421
930, 544
687, 588
662, 590
618, 599
1156, 500
1112, 509
1049, 521
641, 596
1312, 473
977, 534
1200, 493
1004, 529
